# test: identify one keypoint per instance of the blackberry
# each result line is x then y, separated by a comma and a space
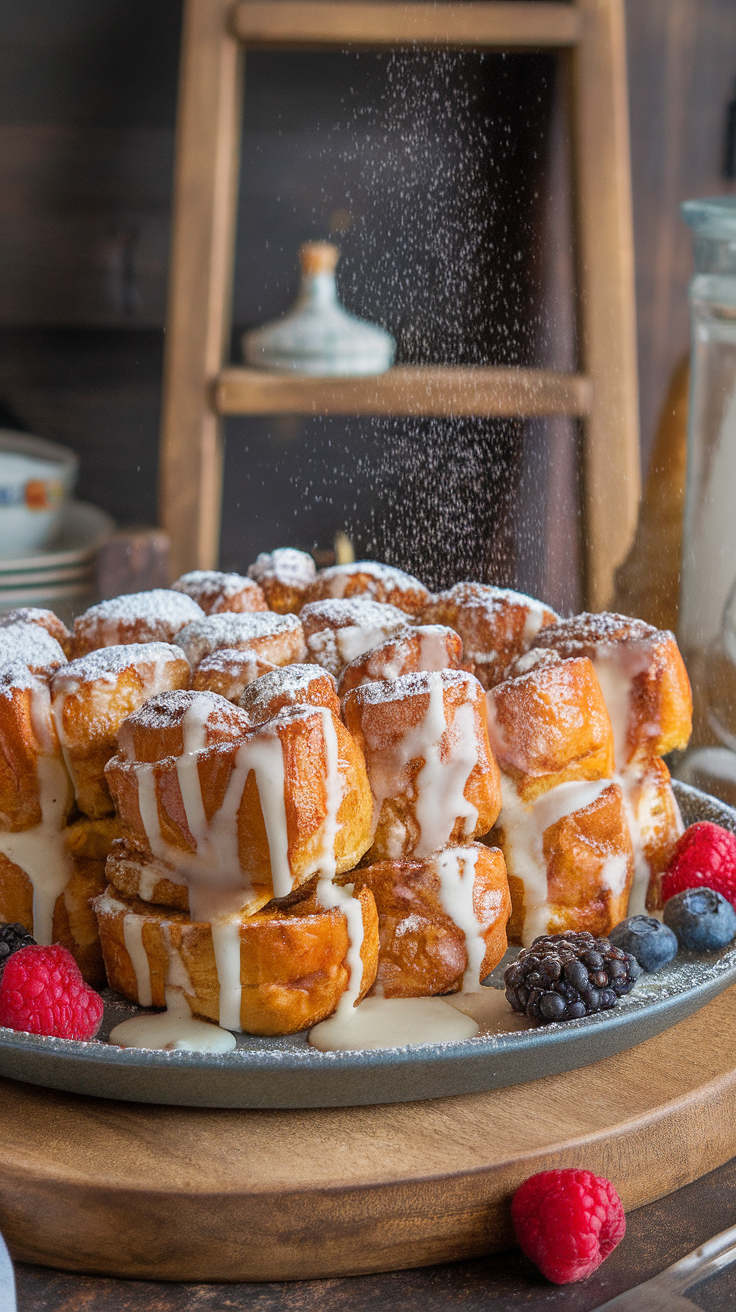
566, 976
13, 937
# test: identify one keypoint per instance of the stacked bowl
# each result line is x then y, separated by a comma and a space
47, 540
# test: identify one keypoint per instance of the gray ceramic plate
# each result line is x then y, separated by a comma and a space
286, 1072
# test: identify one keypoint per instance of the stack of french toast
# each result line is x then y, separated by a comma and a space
269, 794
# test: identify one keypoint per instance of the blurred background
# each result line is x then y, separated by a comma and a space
441, 179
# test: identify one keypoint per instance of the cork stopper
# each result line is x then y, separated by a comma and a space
318, 256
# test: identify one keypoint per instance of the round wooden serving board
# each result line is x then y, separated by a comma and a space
187, 1194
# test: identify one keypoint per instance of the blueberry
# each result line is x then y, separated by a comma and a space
647, 939
702, 919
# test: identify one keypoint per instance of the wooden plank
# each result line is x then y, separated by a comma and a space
407, 390
606, 258
520, 24
175, 1193
208, 134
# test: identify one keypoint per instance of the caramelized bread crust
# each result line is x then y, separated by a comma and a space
93, 695
551, 726
74, 921
215, 592
296, 685
155, 616
338, 631
183, 720
584, 865
432, 772
422, 949
656, 825
293, 966
642, 675
368, 578
229, 671
137, 874
27, 736
495, 624
275, 638
416, 648
283, 576
219, 798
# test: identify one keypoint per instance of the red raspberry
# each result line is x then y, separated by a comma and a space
567, 1222
42, 991
705, 855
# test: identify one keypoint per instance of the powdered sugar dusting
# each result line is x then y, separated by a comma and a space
493, 600
291, 684
338, 631
416, 684
338, 613
152, 616
108, 662
208, 634
45, 619
295, 569
16, 676
388, 577
575, 636
167, 707
211, 582
536, 659
31, 644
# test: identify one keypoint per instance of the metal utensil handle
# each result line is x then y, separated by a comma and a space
710, 1257
7, 1280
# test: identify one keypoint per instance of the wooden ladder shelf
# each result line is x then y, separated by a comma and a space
200, 387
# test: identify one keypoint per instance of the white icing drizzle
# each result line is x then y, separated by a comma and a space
613, 873
534, 621
41, 852
639, 798
433, 653
174, 1030
617, 666
524, 825
326, 862
226, 942
450, 756
265, 755
331, 895
354, 640
393, 1023
215, 865
217, 885
455, 869
133, 939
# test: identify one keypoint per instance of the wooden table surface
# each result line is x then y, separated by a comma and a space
656, 1236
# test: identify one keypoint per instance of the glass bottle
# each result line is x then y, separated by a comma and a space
707, 619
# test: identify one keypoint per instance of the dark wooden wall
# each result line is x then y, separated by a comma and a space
87, 103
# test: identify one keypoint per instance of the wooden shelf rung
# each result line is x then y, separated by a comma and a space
477, 25
407, 390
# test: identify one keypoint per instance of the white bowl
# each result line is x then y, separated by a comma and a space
36, 478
